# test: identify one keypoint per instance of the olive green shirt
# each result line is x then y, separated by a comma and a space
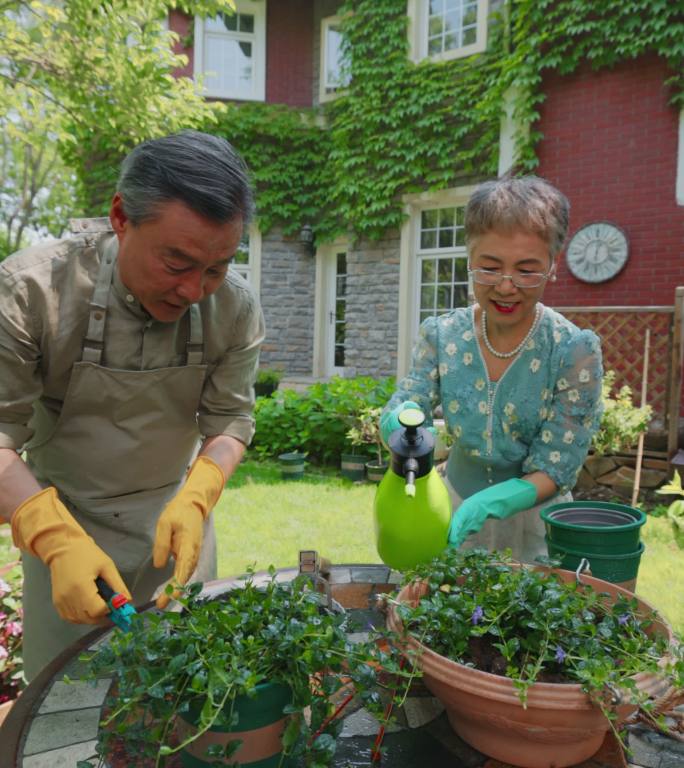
45, 293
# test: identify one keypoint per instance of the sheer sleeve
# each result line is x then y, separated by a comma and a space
572, 415
421, 384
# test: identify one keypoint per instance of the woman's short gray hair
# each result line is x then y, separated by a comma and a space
527, 203
202, 171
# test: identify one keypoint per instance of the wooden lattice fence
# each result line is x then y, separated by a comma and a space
622, 331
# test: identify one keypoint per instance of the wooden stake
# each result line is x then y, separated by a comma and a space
640, 446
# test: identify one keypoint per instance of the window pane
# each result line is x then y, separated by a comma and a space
436, 7
460, 296
446, 238
340, 310
427, 297
430, 218
445, 270
469, 36
341, 263
221, 23
341, 285
435, 45
246, 23
452, 41
228, 64
461, 270
339, 356
444, 297
427, 271
428, 239
424, 315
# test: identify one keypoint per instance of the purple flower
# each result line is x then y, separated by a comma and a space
623, 619
560, 654
478, 613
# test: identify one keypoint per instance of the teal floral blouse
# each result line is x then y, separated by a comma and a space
539, 416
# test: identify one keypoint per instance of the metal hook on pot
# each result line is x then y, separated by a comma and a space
583, 567
615, 693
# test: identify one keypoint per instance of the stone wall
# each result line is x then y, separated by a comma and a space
372, 301
288, 271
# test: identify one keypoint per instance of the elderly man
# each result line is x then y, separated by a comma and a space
125, 359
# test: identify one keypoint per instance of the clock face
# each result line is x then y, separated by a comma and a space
597, 252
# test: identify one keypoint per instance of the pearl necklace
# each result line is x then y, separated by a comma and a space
513, 352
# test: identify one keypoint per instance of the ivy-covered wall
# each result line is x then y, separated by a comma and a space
400, 128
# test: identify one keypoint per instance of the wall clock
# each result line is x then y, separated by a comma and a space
597, 252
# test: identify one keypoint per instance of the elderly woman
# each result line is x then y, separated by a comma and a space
519, 385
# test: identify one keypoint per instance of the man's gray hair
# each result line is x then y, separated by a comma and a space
202, 171
527, 203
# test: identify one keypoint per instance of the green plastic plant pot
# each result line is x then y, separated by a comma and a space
260, 726
375, 472
353, 467
614, 568
594, 527
292, 465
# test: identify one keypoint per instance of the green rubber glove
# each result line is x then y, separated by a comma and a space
389, 421
499, 501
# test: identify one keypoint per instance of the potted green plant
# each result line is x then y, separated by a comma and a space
267, 381
675, 512
532, 666
366, 432
229, 678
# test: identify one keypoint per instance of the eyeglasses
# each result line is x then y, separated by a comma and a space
519, 279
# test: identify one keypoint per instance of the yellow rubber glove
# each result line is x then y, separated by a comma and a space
180, 526
43, 526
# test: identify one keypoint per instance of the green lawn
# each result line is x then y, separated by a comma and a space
264, 521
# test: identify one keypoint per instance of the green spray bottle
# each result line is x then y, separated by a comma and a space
412, 509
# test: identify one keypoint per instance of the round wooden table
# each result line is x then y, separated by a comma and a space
54, 724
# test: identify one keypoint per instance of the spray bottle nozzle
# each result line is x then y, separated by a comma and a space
410, 469
411, 419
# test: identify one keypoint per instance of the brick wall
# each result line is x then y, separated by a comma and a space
610, 143
183, 25
289, 52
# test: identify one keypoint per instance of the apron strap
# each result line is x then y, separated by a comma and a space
194, 347
93, 344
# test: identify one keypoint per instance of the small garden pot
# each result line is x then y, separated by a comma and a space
594, 527
260, 728
619, 569
375, 472
353, 467
292, 465
559, 727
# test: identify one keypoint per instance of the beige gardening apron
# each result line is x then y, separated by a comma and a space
117, 452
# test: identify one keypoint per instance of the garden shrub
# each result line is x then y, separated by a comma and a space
622, 422
316, 421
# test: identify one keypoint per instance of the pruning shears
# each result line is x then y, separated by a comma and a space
120, 608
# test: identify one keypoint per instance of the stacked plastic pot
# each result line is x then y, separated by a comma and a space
605, 534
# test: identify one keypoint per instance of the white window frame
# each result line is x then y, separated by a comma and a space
323, 94
418, 11
258, 40
409, 277
253, 267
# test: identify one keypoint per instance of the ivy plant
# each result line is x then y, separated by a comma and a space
216, 649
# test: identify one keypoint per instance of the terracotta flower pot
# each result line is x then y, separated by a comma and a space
560, 726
